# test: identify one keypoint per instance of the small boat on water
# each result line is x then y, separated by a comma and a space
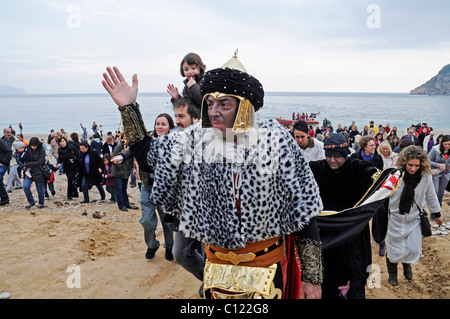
291, 121
311, 119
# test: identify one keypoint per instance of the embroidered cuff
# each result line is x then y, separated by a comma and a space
310, 253
133, 124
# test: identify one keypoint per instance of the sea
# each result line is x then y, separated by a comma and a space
40, 113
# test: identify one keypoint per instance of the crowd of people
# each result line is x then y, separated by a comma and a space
84, 163
423, 157
214, 224
381, 145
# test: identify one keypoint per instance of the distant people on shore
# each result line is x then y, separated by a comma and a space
84, 135
5, 159
94, 127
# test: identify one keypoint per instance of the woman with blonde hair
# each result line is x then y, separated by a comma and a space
385, 150
404, 236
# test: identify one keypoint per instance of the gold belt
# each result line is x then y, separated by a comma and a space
240, 282
261, 254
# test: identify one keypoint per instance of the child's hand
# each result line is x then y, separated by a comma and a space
173, 91
191, 81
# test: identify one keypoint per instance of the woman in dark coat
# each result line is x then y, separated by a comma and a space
90, 168
33, 168
68, 157
369, 154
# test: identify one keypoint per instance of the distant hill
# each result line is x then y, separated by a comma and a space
7, 89
437, 85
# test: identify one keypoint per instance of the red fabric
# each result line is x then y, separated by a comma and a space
238, 198
292, 287
52, 178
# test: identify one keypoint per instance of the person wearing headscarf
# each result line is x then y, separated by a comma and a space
343, 181
404, 237
241, 187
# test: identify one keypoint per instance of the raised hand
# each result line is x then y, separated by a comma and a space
173, 91
118, 88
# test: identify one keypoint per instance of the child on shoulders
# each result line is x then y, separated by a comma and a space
193, 69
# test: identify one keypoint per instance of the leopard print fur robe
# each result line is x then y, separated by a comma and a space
194, 181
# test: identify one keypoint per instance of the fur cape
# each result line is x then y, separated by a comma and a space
194, 180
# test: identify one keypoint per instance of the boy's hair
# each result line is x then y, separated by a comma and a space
192, 58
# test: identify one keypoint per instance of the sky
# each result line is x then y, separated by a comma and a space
63, 47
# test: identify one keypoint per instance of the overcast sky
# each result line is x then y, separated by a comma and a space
303, 45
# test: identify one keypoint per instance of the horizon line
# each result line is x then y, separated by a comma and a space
267, 92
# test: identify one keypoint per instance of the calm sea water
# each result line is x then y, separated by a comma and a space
41, 113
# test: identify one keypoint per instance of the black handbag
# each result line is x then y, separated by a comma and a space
424, 222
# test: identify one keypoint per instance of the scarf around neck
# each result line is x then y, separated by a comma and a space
407, 197
366, 157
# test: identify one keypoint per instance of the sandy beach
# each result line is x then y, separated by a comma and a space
45, 251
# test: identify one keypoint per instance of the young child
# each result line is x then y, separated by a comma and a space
49, 184
193, 69
14, 176
108, 178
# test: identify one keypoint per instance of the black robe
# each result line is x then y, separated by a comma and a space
344, 260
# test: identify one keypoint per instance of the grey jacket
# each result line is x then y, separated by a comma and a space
122, 170
436, 159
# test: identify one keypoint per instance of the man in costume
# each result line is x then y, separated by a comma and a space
343, 182
244, 189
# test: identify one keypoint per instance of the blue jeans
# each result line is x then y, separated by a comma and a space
112, 191
50, 186
85, 188
3, 194
149, 221
133, 178
187, 253
40, 187
121, 192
